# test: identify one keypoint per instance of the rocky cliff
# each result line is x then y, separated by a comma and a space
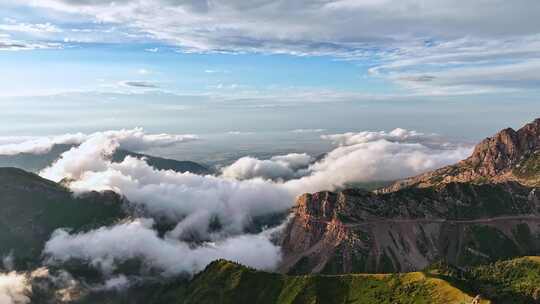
484, 208
406, 230
507, 156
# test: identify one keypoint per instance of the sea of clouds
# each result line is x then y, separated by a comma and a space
241, 192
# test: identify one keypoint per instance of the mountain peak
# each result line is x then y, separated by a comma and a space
509, 155
505, 149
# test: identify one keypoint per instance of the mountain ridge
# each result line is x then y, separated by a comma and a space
476, 211
33, 207
506, 156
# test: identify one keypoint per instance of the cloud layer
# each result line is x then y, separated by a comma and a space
133, 140
218, 210
360, 157
277, 168
105, 247
14, 288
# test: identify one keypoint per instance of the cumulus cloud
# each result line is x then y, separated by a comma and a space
105, 247
352, 138
37, 145
177, 195
360, 157
378, 160
250, 187
218, 209
92, 152
14, 288
166, 194
278, 167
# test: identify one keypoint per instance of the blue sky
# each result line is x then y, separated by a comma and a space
215, 66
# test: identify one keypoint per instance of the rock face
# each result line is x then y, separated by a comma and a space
482, 209
507, 156
406, 230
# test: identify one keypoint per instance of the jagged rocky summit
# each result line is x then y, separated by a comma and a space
483, 209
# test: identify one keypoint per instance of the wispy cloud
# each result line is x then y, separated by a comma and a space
18, 45
36, 28
139, 84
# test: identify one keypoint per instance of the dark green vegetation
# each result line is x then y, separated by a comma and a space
406, 230
529, 168
37, 162
33, 207
510, 282
514, 281
369, 186
163, 163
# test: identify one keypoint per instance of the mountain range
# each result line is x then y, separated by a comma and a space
465, 233
37, 162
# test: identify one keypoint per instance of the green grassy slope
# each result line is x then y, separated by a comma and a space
37, 162
163, 163
227, 282
514, 281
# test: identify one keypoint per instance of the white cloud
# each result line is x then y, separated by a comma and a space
176, 195
244, 191
143, 71
37, 28
277, 168
37, 145
165, 193
14, 288
306, 26
352, 138
379, 160
105, 247
91, 153
134, 140
308, 130
403, 41
360, 157
19, 45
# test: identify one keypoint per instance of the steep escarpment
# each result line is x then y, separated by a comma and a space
507, 156
406, 230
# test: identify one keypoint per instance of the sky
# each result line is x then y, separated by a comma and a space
246, 74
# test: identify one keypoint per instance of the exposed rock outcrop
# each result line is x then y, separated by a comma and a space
507, 156
462, 223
